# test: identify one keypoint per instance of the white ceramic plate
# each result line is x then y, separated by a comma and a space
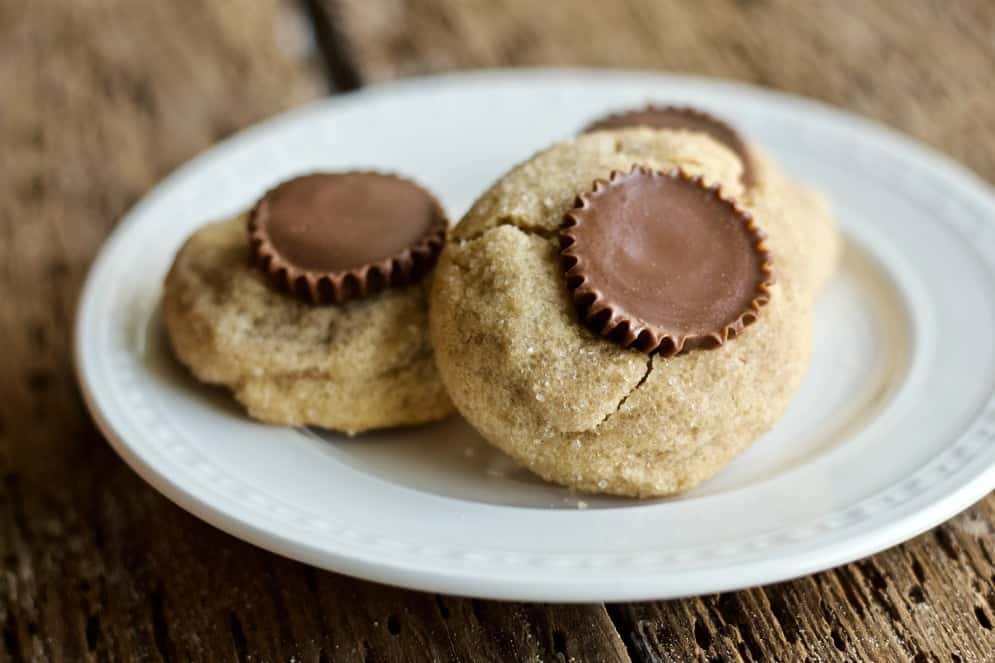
892, 432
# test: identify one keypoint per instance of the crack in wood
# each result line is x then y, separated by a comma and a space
982, 617
160, 629
729, 609
11, 640
440, 604
837, 636
782, 612
90, 138
917, 595
918, 571
635, 388
947, 544
560, 644
653, 636
238, 641
340, 67
852, 591
92, 631
702, 635
393, 625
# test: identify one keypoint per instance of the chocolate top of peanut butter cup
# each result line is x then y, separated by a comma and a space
678, 117
331, 237
660, 262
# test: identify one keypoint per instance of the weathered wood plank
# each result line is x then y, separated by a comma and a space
927, 68
931, 599
101, 99
336, 51
111, 95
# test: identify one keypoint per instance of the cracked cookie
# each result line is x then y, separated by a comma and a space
329, 326
536, 380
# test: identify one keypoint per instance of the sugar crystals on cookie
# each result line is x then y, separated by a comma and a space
318, 314
659, 256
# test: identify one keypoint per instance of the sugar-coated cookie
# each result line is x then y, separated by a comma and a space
360, 360
578, 409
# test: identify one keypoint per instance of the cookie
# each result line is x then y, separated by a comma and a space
579, 409
340, 343
682, 118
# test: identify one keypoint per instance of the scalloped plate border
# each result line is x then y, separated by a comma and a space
111, 377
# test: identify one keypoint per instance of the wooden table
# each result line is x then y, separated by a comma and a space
101, 98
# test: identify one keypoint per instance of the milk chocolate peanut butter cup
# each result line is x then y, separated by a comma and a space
331, 237
660, 262
678, 117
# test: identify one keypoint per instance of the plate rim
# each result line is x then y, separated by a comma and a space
454, 580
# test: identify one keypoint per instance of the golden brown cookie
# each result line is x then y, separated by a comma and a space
576, 408
364, 363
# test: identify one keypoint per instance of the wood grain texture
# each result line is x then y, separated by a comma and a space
927, 68
101, 99
929, 600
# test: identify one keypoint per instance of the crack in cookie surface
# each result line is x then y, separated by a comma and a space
519, 223
664, 424
511, 320
638, 385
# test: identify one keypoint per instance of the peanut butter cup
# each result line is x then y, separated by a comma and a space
331, 237
679, 117
660, 262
